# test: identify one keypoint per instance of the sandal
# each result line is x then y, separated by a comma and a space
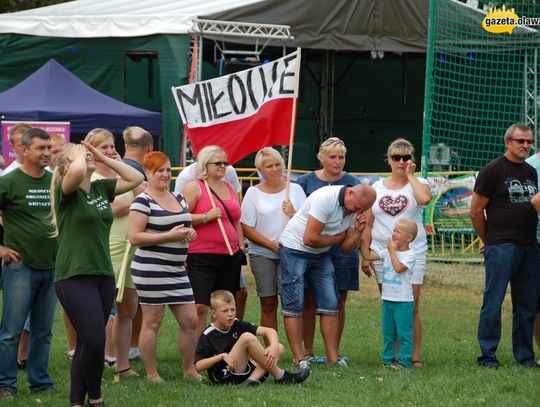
129, 372
416, 363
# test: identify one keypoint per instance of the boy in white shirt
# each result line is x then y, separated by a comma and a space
397, 293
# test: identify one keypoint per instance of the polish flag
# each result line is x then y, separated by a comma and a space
241, 112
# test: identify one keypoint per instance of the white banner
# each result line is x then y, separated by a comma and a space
235, 96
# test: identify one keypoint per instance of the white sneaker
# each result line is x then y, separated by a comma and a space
110, 360
303, 364
134, 353
342, 362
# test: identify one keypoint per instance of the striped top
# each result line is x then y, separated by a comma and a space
158, 270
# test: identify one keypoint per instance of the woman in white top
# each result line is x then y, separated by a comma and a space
401, 195
265, 212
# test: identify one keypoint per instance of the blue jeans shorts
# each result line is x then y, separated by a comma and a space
347, 266
318, 270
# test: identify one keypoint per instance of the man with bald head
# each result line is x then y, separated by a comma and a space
332, 215
137, 143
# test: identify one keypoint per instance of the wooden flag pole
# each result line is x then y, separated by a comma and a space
220, 223
293, 119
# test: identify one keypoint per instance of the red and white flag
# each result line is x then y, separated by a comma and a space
241, 112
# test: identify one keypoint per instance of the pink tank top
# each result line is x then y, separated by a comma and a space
209, 237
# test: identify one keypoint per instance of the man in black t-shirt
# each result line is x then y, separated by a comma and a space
503, 189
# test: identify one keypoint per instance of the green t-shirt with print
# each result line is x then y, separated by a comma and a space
84, 221
25, 203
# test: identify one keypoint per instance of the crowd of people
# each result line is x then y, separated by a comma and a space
107, 237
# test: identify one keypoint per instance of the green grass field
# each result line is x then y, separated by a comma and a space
449, 377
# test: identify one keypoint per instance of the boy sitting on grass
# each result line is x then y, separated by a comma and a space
397, 293
231, 353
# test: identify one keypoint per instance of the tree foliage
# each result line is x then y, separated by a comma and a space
9, 6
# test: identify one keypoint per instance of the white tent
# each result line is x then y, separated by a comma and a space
361, 25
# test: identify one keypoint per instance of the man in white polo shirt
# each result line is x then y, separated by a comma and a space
331, 215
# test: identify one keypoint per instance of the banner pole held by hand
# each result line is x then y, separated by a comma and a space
220, 223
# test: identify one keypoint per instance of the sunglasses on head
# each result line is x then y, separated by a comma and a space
398, 157
219, 163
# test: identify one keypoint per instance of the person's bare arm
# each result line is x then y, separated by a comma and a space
314, 238
129, 176
536, 201
138, 236
207, 363
478, 204
398, 266
422, 193
258, 238
366, 253
367, 265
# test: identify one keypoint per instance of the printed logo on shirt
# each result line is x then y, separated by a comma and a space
38, 197
393, 206
519, 192
100, 203
391, 283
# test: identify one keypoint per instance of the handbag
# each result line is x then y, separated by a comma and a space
240, 253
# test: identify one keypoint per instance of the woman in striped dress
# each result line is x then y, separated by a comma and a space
160, 225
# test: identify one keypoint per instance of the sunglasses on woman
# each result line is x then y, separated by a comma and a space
219, 163
397, 157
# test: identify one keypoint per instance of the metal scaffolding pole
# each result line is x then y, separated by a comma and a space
531, 101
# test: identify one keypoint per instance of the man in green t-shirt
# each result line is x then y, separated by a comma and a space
28, 255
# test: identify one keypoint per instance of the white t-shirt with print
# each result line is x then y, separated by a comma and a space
323, 204
392, 205
262, 211
397, 286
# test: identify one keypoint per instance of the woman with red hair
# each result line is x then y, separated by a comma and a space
160, 225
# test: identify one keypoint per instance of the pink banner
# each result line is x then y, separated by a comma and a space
60, 128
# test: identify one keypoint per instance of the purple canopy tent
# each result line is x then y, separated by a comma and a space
53, 93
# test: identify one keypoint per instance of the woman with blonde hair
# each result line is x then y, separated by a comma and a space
126, 310
82, 215
210, 264
400, 196
265, 209
160, 225
331, 155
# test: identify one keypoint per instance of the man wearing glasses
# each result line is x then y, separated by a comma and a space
503, 189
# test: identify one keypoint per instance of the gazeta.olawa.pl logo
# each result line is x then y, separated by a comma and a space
504, 20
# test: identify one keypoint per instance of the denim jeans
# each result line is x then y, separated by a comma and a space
520, 266
318, 270
26, 289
